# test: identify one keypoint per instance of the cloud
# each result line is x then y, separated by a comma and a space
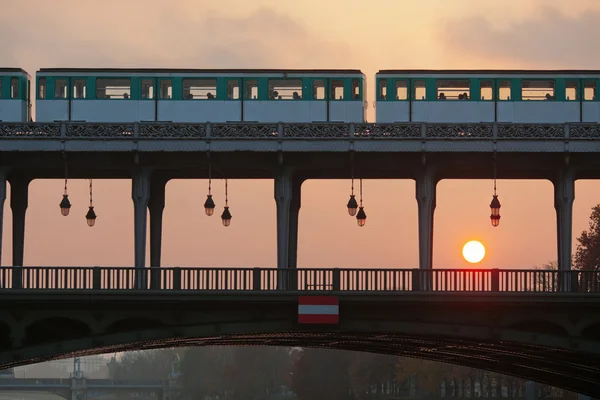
129, 34
546, 39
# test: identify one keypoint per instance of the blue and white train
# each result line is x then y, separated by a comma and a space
15, 105
126, 95
299, 96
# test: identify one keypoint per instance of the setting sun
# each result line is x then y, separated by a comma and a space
473, 251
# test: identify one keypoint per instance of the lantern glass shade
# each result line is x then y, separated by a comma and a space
495, 208
65, 205
352, 206
209, 205
91, 217
226, 217
361, 217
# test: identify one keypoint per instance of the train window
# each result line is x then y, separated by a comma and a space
41, 88
166, 89
401, 90
60, 89
147, 89
113, 88
589, 90
285, 89
453, 89
571, 90
419, 92
318, 90
486, 90
79, 89
14, 88
355, 89
504, 90
382, 89
537, 90
203, 89
233, 89
337, 89
251, 89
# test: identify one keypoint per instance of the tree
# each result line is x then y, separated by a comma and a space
587, 256
545, 280
370, 372
427, 375
321, 374
142, 365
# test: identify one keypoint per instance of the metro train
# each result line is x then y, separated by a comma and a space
299, 96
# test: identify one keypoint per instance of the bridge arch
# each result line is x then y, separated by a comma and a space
55, 329
546, 358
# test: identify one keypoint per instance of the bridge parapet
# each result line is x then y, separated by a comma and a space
298, 280
168, 130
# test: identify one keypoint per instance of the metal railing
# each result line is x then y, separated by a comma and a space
306, 280
312, 131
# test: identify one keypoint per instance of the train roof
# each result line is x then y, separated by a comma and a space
204, 71
13, 70
488, 72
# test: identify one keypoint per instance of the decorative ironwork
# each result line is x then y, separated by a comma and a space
244, 131
19, 130
332, 130
459, 131
531, 131
111, 131
167, 131
282, 131
584, 131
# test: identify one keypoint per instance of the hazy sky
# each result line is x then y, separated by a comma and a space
370, 36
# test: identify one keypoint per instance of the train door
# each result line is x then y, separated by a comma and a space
28, 101
148, 100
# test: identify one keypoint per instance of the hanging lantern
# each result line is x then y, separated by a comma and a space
209, 205
91, 217
65, 205
226, 216
352, 206
361, 217
495, 208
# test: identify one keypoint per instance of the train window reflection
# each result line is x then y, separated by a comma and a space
589, 90
41, 88
14, 88
166, 89
285, 89
60, 89
453, 89
113, 88
487, 91
337, 89
504, 91
382, 89
251, 89
319, 90
79, 88
401, 90
537, 90
147, 89
199, 89
419, 92
571, 90
233, 89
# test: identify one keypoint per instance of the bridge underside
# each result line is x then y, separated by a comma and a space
554, 340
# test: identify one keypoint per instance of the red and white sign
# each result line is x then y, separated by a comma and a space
318, 310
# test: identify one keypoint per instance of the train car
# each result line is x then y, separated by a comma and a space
178, 95
15, 105
456, 96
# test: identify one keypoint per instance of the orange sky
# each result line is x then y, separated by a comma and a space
309, 34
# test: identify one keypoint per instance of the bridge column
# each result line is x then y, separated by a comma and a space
287, 198
425, 194
19, 191
156, 205
140, 193
2, 200
564, 195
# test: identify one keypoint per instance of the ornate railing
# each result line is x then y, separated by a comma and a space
279, 131
296, 280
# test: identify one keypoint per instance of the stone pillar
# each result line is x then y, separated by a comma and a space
140, 193
156, 205
19, 190
564, 195
287, 198
2, 199
425, 194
